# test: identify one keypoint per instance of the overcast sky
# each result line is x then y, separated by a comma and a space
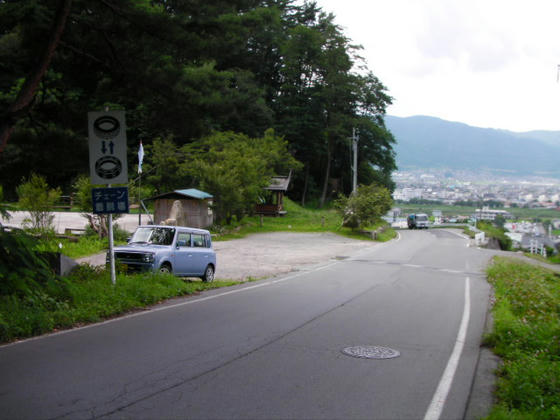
487, 63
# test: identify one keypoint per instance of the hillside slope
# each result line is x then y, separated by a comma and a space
428, 142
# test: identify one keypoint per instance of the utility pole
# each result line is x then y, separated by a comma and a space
355, 138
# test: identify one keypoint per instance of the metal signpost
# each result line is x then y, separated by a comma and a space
108, 165
355, 139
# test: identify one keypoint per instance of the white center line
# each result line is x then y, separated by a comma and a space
438, 401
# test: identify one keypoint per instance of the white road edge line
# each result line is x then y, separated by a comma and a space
438, 400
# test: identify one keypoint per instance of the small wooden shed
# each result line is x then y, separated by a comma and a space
275, 205
189, 207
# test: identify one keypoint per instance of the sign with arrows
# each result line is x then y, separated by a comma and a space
107, 147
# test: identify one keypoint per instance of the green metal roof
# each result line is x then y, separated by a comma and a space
190, 193
194, 193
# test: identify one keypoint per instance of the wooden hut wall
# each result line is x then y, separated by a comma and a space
195, 212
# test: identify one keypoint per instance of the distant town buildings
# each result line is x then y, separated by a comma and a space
477, 189
487, 213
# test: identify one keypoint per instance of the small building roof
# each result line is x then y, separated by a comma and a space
279, 183
187, 193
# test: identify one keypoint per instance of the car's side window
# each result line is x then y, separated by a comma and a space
184, 239
198, 240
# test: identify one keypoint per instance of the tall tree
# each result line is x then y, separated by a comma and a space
26, 94
184, 69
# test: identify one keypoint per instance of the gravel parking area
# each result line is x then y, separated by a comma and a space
269, 254
259, 255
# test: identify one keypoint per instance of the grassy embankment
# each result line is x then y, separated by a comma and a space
300, 219
86, 296
526, 336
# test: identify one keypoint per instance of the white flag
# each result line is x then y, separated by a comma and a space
140, 157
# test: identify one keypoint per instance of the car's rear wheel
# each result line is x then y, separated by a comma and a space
165, 268
208, 274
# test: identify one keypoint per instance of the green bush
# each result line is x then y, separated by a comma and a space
22, 268
497, 233
365, 207
35, 197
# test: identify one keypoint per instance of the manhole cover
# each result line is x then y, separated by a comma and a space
371, 352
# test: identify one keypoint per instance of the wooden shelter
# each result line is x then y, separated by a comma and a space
274, 206
189, 207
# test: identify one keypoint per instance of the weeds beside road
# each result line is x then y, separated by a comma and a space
85, 296
526, 336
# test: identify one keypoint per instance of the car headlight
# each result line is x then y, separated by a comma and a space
148, 258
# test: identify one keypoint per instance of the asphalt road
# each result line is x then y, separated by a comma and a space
273, 349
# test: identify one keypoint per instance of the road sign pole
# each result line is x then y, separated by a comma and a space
355, 161
108, 165
112, 251
139, 200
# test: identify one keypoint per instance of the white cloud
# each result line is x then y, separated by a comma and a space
489, 63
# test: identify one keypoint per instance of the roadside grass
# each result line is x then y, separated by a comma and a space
86, 295
76, 246
526, 335
552, 259
300, 219
84, 246
468, 232
496, 233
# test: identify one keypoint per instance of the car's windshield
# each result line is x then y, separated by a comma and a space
422, 218
153, 235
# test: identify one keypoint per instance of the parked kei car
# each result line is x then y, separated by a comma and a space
182, 251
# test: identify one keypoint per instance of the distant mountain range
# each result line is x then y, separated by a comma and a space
428, 142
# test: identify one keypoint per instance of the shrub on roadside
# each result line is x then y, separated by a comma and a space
497, 233
29, 287
365, 207
22, 269
98, 224
36, 197
87, 295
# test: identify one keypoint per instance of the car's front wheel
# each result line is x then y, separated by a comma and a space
208, 274
165, 269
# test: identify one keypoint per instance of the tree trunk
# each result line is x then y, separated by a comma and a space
305, 185
327, 174
24, 99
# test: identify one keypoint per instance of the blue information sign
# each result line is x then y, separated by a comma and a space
110, 200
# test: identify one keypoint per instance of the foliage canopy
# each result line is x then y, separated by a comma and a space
365, 207
184, 70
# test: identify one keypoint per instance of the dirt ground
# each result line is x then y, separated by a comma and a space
270, 254
259, 255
